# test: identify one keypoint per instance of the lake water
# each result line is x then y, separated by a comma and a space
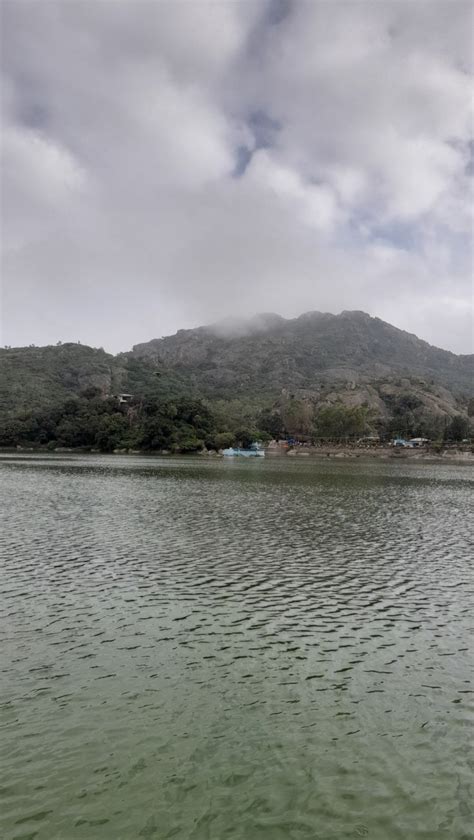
199, 649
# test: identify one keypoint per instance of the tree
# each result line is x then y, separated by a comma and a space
111, 431
458, 429
270, 421
75, 432
157, 432
245, 437
297, 417
339, 421
185, 440
221, 440
92, 392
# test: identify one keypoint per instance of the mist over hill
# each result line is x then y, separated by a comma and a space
269, 352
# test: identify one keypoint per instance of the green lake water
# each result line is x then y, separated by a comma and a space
267, 649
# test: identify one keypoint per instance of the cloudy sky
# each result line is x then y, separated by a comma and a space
166, 164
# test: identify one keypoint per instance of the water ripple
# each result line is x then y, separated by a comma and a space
210, 650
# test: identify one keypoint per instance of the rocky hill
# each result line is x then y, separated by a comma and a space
317, 359
268, 353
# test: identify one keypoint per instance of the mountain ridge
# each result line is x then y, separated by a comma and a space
315, 345
220, 327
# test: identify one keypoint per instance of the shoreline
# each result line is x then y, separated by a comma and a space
334, 452
380, 452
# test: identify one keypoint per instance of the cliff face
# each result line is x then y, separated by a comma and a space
269, 353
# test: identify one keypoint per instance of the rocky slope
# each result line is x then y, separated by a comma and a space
350, 359
269, 353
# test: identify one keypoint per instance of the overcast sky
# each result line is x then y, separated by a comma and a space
166, 164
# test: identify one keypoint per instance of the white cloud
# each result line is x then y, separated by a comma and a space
419, 172
49, 169
314, 205
45, 179
122, 216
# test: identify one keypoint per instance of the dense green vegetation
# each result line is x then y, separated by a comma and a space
92, 422
38, 377
34, 377
182, 425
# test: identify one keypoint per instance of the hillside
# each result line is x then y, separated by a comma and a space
267, 373
269, 353
33, 378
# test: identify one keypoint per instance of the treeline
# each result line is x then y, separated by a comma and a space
189, 425
408, 417
92, 422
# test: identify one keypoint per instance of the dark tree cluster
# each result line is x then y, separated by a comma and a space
91, 422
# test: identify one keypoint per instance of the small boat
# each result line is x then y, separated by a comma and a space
256, 451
